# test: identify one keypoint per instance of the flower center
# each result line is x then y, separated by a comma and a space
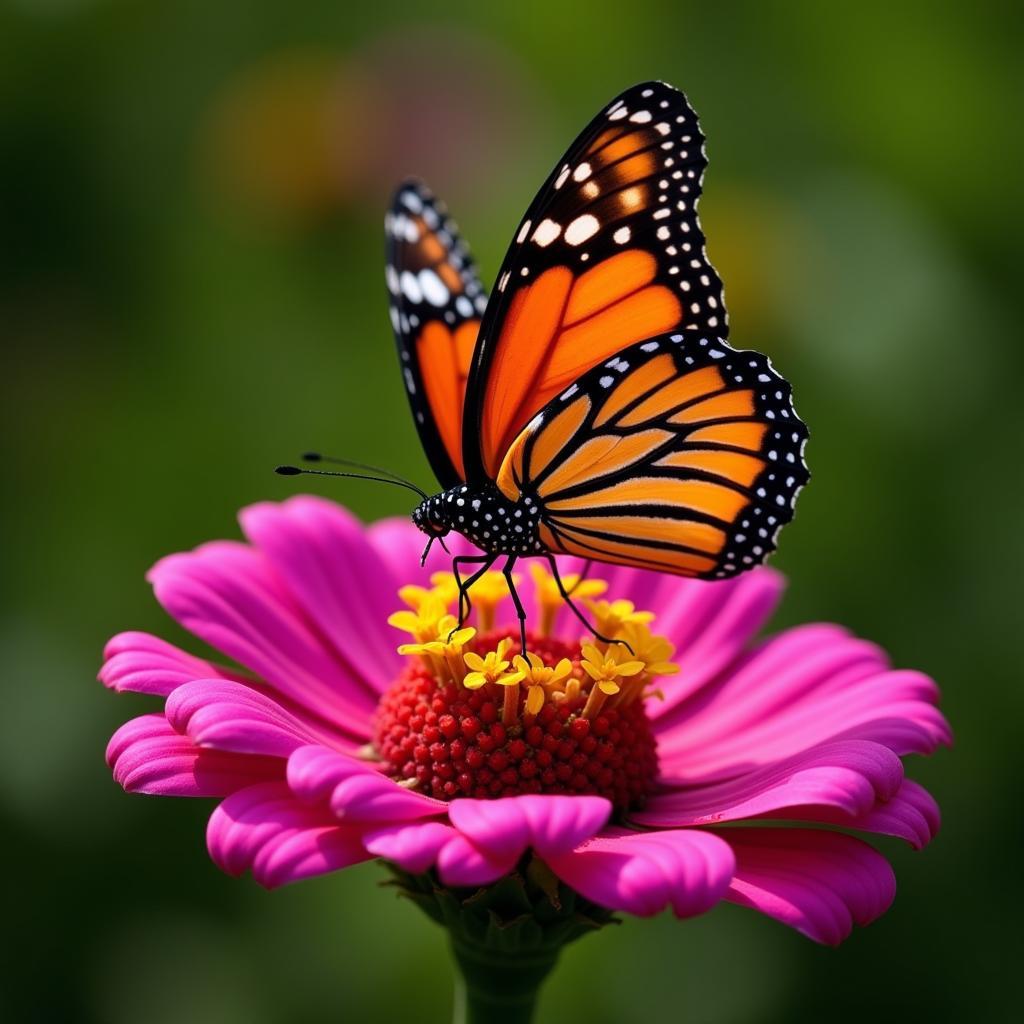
467, 718
555, 729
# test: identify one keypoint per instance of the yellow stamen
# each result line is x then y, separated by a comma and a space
534, 701
510, 705
595, 701
654, 651
549, 600
415, 596
536, 673
605, 669
492, 668
442, 652
423, 624
611, 616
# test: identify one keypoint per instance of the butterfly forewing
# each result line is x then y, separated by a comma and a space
436, 302
680, 454
609, 253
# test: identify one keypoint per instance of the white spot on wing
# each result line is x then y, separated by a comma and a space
547, 231
411, 287
411, 201
582, 172
581, 229
622, 236
434, 290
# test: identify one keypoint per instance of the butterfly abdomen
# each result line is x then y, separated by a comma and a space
490, 520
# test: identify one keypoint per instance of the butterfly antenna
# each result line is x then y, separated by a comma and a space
335, 461
296, 471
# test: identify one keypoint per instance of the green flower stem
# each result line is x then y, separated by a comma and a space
498, 988
505, 937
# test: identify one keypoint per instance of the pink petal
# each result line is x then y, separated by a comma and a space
910, 814
711, 624
226, 715
141, 663
228, 595
399, 545
322, 554
266, 830
803, 687
461, 864
148, 756
489, 836
413, 847
549, 824
821, 883
644, 872
851, 776
355, 790
418, 846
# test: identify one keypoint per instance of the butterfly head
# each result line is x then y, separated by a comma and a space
433, 517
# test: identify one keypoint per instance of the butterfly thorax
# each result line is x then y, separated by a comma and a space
484, 516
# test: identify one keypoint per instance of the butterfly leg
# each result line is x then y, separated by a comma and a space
485, 562
567, 597
520, 610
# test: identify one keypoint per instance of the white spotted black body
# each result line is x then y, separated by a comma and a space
485, 517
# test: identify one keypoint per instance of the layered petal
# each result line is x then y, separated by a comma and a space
712, 624
642, 873
413, 847
140, 663
225, 715
821, 883
848, 776
266, 830
229, 595
354, 790
322, 554
549, 824
399, 546
147, 755
804, 687
910, 814
494, 834
486, 838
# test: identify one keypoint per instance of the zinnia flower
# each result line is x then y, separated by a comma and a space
464, 763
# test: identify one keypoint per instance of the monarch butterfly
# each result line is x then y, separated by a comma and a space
591, 405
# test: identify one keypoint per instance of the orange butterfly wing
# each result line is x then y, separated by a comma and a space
436, 302
679, 454
609, 253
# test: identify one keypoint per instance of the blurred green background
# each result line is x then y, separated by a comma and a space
192, 291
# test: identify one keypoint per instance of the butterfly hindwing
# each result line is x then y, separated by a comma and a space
609, 253
436, 302
680, 454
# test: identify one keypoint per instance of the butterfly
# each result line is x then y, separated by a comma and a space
591, 405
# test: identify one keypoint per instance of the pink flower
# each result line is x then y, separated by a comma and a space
807, 726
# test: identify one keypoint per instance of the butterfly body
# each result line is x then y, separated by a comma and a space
485, 517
